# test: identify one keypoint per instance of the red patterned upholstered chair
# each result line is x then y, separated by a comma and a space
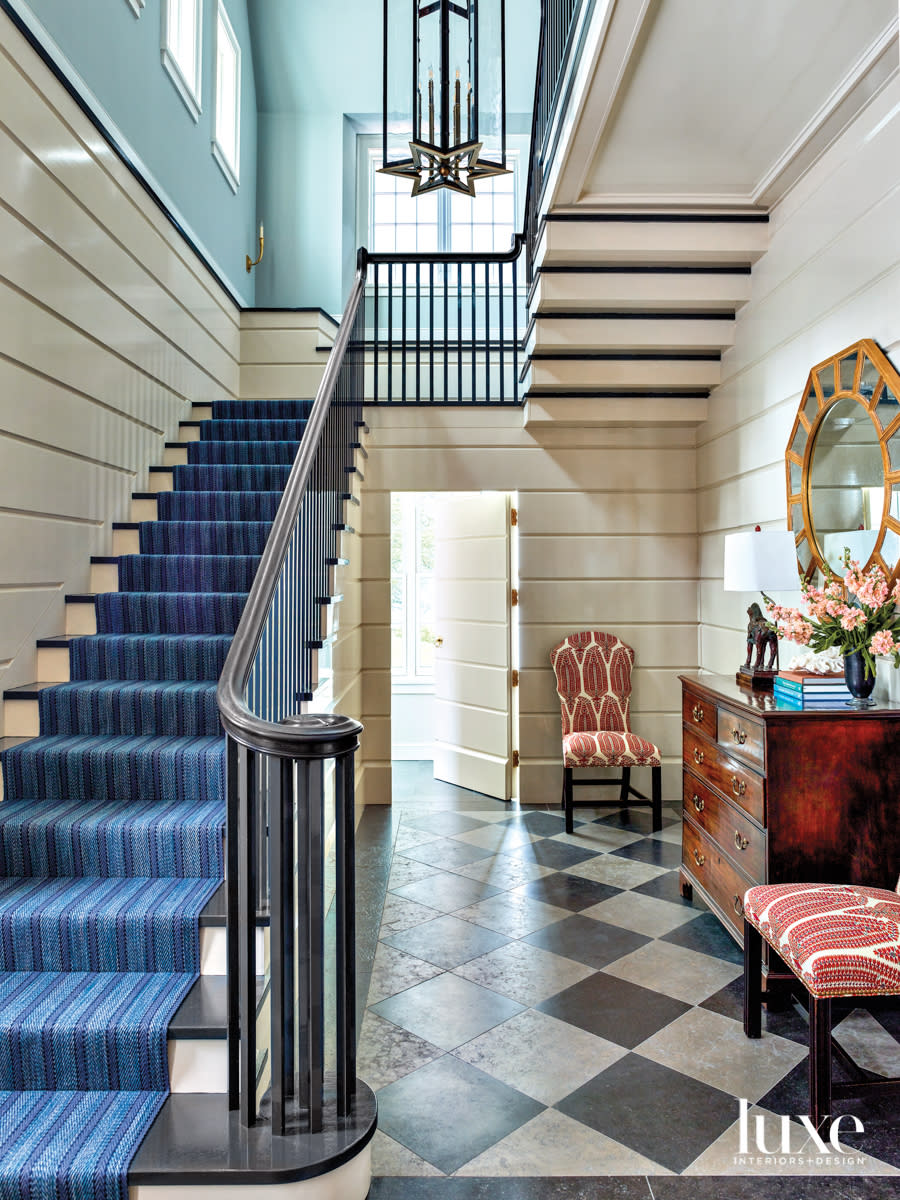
593, 679
840, 941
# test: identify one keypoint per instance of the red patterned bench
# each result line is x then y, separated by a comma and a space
841, 941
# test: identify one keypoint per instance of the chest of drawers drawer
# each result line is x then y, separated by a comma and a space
716, 874
699, 713
734, 779
741, 736
728, 826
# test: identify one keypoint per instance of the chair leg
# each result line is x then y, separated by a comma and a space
657, 798
752, 981
626, 785
562, 799
568, 799
820, 1064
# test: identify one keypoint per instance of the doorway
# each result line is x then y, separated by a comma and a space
454, 644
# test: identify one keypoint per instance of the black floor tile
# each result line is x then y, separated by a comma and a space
568, 891
445, 823
448, 1112
635, 820
542, 823
652, 850
610, 1187
790, 1097
594, 943
676, 1119
789, 1023
551, 854
615, 1009
706, 935
446, 941
779, 1187
446, 853
668, 887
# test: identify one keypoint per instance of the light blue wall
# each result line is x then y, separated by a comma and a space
320, 75
118, 57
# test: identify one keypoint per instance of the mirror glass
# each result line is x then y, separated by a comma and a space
868, 379
826, 381
848, 372
804, 555
846, 484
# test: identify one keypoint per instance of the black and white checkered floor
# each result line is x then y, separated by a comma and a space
547, 1008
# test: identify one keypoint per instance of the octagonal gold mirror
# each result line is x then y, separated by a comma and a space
843, 464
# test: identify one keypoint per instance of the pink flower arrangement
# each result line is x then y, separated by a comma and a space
858, 613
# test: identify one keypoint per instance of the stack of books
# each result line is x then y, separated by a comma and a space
801, 689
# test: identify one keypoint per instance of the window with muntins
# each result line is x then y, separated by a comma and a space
441, 221
182, 48
227, 128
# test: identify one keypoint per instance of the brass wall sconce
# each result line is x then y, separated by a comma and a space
250, 263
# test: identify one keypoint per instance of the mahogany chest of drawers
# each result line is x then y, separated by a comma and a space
776, 795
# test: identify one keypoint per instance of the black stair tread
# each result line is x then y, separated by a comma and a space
105, 558
349, 498
82, 597
27, 691
330, 599
7, 743
360, 448
160, 470
203, 1014
189, 425
337, 562
342, 527
127, 524
145, 495
56, 641
204, 1011
213, 913
195, 1140
175, 445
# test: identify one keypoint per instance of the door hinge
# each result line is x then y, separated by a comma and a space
515, 597
513, 516
515, 758
515, 678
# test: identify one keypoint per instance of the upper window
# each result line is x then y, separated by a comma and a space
182, 45
440, 221
227, 130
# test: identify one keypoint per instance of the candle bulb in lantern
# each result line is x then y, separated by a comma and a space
456, 112
431, 106
469, 112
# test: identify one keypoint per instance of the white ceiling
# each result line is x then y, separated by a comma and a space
723, 101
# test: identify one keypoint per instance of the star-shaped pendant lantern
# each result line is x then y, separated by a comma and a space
457, 169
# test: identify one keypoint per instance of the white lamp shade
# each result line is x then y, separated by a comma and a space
761, 561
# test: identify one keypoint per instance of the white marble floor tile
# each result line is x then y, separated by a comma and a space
869, 1043
497, 838
400, 914
707, 1046
552, 1144
504, 872
389, 1158
394, 971
512, 915
524, 972
618, 872
598, 838
388, 1052
675, 971
540, 1056
641, 914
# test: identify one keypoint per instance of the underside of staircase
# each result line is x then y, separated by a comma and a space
112, 961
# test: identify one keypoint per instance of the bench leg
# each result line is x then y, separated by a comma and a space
820, 1064
752, 981
568, 799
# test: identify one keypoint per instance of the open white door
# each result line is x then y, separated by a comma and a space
472, 644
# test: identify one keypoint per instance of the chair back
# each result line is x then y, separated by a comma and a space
593, 681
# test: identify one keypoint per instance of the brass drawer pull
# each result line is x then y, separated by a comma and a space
699, 859
738, 906
697, 713
698, 756
699, 803
738, 786
740, 842
739, 736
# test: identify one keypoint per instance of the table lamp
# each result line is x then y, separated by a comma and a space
760, 561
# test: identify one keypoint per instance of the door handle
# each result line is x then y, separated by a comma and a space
438, 642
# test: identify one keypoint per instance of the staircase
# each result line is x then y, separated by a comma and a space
111, 829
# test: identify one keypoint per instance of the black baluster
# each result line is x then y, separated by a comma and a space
247, 884
403, 330
474, 327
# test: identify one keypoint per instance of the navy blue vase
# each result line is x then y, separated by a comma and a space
859, 684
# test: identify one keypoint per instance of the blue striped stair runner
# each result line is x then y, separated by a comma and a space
112, 822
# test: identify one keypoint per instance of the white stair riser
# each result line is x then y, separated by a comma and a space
565, 291
174, 456
198, 1064
630, 333
616, 373
575, 243
104, 577
348, 1182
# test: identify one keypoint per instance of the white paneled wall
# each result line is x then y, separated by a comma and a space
607, 528
831, 276
109, 328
